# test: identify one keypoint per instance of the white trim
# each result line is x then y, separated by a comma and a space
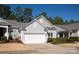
6, 33
4, 20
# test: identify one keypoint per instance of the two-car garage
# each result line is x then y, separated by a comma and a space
34, 33
35, 38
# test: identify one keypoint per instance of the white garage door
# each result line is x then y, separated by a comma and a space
35, 38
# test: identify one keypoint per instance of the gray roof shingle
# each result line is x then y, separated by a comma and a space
3, 24
15, 24
70, 27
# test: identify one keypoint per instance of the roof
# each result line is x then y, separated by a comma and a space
70, 27
15, 24
3, 22
46, 19
37, 21
51, 28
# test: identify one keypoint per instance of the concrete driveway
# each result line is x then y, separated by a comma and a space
15, 48
48, 48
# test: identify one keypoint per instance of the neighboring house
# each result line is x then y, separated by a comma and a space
4, 28
38, 30
15, 33
72, 29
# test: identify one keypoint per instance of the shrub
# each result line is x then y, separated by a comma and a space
57, 40
10, 38
67, 40
3, 39
74, 38
63, 40
49, 40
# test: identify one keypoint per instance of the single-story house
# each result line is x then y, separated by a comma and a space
72, 29
36, 31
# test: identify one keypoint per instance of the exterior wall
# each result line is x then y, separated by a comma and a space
78, 33
35, 28
22, 36
58, 28
75, 34
15, 34
44, 22
34, 34
54, 33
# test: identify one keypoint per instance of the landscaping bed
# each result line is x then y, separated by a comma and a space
63, 40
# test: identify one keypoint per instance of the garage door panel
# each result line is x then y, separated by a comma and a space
36, 38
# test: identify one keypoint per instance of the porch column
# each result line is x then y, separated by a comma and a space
78, 33
68, 34
54, 34
63, 35
7, 33
58, 35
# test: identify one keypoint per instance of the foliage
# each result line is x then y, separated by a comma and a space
74, 38
49, 40
5, 11
24, 15
44, 14
58, 20
3, 39
57, 41
72, 21
12, 16
27, 14
63, 40
18, 13
10, 38
51, 20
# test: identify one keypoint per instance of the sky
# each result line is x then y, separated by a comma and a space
66, 11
